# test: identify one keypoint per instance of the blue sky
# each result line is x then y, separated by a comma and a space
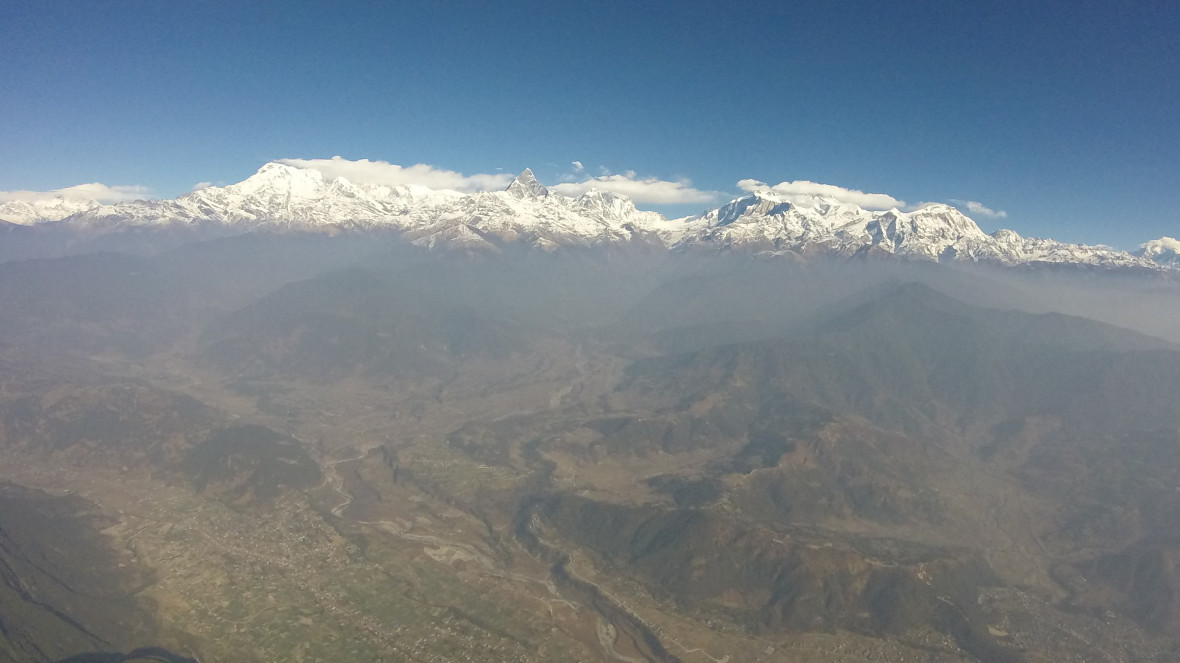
1063, 115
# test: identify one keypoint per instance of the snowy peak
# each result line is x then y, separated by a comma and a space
604, 207
526, 186
933, 237
946, 217
280, 179
1162, 251
928, 231
750, 206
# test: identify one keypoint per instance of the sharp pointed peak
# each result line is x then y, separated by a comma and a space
526, 186
277, 167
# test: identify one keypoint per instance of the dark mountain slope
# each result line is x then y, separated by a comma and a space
62, 589
250, 463
905, 421
920, 362
354, 323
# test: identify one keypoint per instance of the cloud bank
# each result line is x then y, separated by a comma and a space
804, 191
975, 207
81, 192
364, 171
1170, 243
1161, 246
641, 190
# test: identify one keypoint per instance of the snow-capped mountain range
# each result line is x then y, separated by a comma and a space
27, 213
286, 197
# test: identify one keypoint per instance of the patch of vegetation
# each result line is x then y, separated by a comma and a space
687, 492
251, 462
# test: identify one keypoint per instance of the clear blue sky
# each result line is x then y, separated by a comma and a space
1064, 114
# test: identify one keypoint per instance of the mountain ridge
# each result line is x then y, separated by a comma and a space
288, 198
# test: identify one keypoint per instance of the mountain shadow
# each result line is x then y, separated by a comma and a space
62, 588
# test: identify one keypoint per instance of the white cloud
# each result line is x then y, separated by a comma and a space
80, 192
803, 191
647, 190
975, 207
364, 171
1162, 244
202, 185
577, 166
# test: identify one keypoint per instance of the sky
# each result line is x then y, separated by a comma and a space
1056, 119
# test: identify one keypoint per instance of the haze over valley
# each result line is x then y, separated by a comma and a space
295, 442
611, 332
